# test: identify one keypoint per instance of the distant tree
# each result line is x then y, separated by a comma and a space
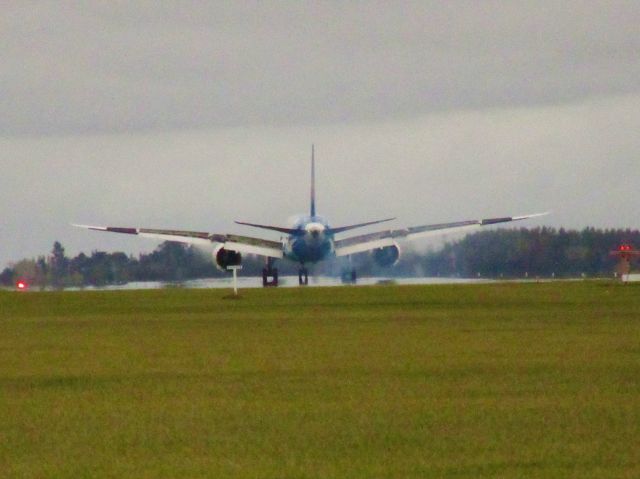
26, 269
7, 277
42, 272
98, 272
58, 266
78, 270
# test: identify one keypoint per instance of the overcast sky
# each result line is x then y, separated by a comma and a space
192, 114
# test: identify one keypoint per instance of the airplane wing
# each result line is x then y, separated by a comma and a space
366, 242
242, 244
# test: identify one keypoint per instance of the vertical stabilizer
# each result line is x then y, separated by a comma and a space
313, 182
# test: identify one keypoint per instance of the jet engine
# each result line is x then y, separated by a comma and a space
226, 257
387, 256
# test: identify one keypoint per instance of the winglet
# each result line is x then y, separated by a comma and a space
110, 229
534, 215
88, 227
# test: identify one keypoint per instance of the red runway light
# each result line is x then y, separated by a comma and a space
21, 285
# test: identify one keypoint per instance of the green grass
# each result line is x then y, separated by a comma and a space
456, 381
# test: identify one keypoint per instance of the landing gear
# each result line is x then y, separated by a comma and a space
269, 274
303, 276
348, 276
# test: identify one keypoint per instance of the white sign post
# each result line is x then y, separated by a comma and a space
235, 277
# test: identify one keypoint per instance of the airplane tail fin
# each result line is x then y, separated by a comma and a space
313, 182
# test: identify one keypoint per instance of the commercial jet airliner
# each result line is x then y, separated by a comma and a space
309, 240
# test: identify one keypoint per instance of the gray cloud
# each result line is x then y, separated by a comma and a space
100, 67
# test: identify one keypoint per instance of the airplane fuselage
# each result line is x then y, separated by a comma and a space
311, 241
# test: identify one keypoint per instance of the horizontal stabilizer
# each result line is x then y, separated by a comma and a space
342, 229
279, 229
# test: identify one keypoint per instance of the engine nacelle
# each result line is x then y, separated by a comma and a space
226, 257
387, 256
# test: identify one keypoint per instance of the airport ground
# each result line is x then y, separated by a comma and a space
466, 381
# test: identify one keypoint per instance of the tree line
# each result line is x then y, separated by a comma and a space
506, 253
169, 262
544, 252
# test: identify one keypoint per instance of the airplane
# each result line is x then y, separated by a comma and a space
308, 241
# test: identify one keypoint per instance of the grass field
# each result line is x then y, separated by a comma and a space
460, 381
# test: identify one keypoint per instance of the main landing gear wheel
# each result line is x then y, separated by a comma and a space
349, 276
269, 275
303, 277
